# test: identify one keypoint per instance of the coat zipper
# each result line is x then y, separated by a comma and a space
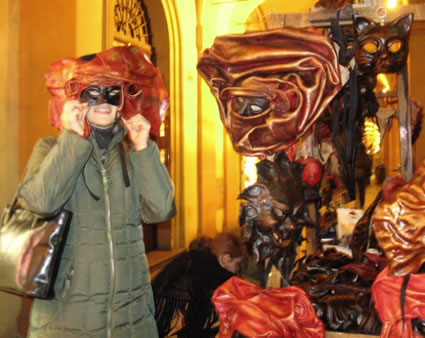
111, 247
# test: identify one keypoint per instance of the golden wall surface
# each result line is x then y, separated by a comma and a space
43, 39
9, 105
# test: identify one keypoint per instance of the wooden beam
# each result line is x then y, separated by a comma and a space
320, 17
405, 125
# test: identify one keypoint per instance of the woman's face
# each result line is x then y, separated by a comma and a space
234, 264
103, 104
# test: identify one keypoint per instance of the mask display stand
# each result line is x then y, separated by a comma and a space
319, 17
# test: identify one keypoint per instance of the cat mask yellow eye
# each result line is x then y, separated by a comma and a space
395, 46
370, 47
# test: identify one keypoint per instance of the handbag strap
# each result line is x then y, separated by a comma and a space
9, 210
13, 205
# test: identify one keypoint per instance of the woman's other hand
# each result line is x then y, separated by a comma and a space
138, 129
73, 116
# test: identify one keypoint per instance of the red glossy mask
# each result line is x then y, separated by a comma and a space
271, 86
386, 294
265, 312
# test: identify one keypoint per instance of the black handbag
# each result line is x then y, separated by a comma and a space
30, 250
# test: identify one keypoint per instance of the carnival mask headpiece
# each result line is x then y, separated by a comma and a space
126, 67
271, 86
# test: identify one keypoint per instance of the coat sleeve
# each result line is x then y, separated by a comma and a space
154, 185
52, 172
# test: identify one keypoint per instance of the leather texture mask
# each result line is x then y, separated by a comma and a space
271, 86
400, 226
382, 48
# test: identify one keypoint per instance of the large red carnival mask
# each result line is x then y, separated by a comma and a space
125, 67
271, 86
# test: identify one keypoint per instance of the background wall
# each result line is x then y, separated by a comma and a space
417, 75
28, 44
219, 165
44, 38
9, 33
9, 105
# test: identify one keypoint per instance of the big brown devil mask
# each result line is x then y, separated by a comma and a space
271, 86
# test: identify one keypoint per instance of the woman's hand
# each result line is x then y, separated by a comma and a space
138, 129
73, 116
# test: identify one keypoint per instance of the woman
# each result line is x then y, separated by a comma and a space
104, 169
183, 289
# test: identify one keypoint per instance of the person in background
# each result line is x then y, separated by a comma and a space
183, 289
104, 168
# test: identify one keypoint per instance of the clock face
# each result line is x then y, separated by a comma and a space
130, 21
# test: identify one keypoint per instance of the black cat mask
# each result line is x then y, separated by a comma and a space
382, 48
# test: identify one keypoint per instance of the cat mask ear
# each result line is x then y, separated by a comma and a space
361, 22
404, 23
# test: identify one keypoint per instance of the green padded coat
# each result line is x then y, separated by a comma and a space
103, 285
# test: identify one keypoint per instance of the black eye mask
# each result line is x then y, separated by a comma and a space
250, 106
95, 95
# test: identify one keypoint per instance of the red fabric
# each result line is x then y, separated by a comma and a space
125, 66
386, 293
265, 312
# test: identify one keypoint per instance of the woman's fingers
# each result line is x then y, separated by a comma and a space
138, 128
73, 115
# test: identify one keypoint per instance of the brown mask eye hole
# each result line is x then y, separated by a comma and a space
250, 106
370, 47
278, 212
395, 46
